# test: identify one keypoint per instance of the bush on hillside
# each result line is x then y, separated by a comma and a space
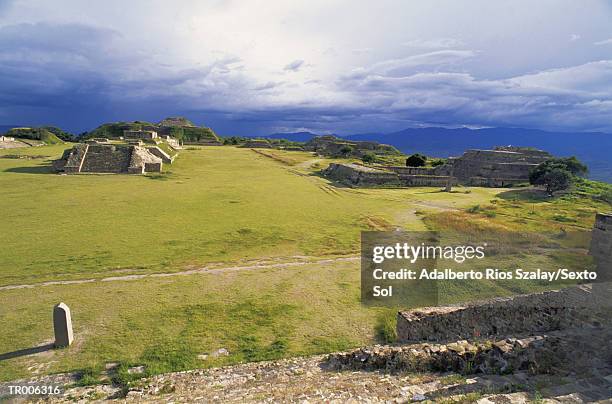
368, 158
416, 160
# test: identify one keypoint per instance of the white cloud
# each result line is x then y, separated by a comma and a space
604, 42
398, 61
434, 43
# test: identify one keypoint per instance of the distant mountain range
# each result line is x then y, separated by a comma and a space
593, 148
6, 128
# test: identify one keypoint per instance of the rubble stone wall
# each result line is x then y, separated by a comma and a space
524, 314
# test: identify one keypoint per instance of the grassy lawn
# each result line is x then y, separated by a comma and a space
228, 205
212, 205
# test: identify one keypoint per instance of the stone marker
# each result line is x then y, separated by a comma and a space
62, 325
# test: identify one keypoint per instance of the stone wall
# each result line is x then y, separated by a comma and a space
563, 352
500, 167
362, 176
358, 175
101, 158
524, 314
140, 134
412, 170
601, 245
425, 180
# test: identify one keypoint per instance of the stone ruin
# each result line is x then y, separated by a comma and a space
361, 176
108, 158
504, 166
500, 167
140, 134
257, 144
332, 146
518, 315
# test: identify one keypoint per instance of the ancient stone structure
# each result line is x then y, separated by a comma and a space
357, 175
174, 143
332, 146
601, 246
502, 167
62, 325
257, 144
165, 157
108, 158
140, 134
361, 176
517, 315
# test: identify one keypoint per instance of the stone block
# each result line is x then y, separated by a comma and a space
62, 325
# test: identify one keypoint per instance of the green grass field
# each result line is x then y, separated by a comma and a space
223, 207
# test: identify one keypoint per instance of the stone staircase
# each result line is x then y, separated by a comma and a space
107, 159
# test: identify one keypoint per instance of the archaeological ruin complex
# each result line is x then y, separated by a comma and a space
331, 146
500, 167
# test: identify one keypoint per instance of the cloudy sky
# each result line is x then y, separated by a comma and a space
343, 66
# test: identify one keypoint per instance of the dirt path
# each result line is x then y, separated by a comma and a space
203, 270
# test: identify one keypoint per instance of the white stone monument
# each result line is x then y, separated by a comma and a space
62, 325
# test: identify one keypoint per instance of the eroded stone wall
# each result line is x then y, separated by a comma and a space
524, 314
357, 175
362, 176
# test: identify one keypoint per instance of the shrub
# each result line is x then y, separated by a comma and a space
368, 157
416, 160
474, 209
346, 150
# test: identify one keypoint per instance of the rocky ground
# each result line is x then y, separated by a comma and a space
308, 380
564, 367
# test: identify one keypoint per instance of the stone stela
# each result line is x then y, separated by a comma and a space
62, 325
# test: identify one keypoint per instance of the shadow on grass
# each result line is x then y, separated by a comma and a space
26, 352
46, 169
525, 194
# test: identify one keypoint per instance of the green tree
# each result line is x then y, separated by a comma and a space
416, 160
368, 157
346, 150
555, 180
557, 174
